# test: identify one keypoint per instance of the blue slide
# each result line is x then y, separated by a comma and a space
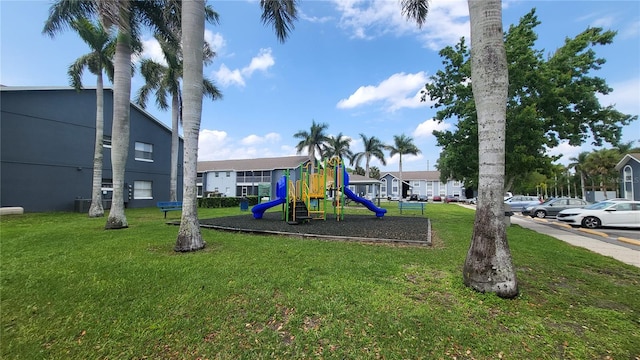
281, 198
369, 204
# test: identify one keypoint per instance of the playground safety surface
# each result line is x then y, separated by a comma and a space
367, 228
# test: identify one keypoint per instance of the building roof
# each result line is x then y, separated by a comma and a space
84, 88
359, 179
415, 175
283, 162
626, 158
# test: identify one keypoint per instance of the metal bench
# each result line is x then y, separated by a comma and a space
411, 206
169, 206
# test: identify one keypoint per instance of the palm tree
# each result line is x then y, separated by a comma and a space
279, 13
373, 148
488, 266
165, 80
189, 236
314, 141
126, 17
338, 146
402, 145
98, 60
601, 164
579, 163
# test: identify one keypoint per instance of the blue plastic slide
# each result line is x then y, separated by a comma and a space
281, 196
258, 210
369, 204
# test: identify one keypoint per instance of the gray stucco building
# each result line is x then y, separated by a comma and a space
47, 138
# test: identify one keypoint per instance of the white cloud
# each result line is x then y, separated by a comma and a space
262, 62
227, 77
624, 96
217, 145
446, 23
215, 40
256, 139
398, 91
426, 128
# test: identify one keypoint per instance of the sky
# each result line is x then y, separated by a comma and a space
355, 65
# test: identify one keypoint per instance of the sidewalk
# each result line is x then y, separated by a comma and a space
621, 253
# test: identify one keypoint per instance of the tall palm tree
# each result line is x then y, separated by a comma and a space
189, 236
279, 13
338, 146
373, 148
126, 17
314, 141
98, 60
402, 145
165, 81
488, 266
578, 164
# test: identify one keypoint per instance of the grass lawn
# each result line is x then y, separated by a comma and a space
71, 290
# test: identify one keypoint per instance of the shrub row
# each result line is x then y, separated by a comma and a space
220, 202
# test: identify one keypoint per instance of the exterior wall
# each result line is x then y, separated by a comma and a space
223, 184
47, 143
630, 180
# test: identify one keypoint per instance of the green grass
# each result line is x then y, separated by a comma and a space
71, 290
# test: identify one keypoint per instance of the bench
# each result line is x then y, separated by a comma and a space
169, 206
411, 206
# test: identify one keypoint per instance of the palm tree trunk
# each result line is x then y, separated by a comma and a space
488, 266
582, 186
96, 209
120, 129
189, 236
175, 142
400, 185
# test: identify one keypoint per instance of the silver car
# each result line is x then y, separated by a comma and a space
521, 202
552, 207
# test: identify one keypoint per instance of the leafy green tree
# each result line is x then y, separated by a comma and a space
314, 141
373, 148
166, 81
549, 100
338, 146
402, 145
99, 60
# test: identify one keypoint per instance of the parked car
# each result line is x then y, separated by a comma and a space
451, 198
622, 213
552, 207
471, 201
521, 202
437, 198
422, 198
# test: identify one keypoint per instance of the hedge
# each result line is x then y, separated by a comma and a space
220, 202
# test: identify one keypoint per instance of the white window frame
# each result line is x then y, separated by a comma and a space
143, 148
142, 189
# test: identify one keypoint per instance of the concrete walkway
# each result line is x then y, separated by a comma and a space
621, 253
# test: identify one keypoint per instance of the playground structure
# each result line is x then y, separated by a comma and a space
319, 189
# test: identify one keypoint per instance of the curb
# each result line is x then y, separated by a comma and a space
629, 241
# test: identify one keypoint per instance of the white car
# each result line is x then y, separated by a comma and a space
604, 213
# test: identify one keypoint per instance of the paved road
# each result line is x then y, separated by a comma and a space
621, 248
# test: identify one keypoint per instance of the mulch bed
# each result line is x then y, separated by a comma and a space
368, 228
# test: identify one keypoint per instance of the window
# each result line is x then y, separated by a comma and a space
383, 186
142, 190
144, 152
217, 174
228, 173
416, 184
106, 141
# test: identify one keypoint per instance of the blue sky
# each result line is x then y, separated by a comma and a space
355, 65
